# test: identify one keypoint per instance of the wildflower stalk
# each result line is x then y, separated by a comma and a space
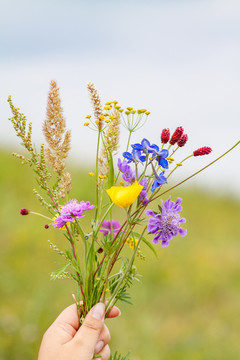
80, 229
196, 173
103, 218
97, 179
35, 213
188, 157
120, 282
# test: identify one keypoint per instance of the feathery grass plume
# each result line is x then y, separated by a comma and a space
110, 143
54, 129
96, 103
64, 185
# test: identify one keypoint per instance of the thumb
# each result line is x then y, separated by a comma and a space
90, 330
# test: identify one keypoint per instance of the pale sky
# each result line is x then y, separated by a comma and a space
179, 59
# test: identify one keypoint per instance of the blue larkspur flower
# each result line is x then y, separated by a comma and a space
158, 181
161, 156
166, 225
145, 146
135, 156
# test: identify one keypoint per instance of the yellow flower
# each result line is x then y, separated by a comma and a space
130, 241
124, 196
91, 173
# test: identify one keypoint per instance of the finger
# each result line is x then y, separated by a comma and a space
114, 312
105, 353
65, 326
88, 334
103, 339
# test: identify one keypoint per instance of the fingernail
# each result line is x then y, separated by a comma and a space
99, 347
98, 311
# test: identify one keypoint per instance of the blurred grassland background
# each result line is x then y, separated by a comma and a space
187, 306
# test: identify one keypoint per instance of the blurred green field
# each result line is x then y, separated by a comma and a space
187, 307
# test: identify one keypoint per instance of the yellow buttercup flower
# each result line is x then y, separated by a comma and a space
124, 196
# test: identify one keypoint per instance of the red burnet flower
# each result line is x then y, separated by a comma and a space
46, 226
176, 135
165, 136
205, 150
182, 141
24, 211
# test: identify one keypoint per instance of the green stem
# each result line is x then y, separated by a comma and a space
97, 180
109, 305
196, 173
104, 216
35, 213
80, 229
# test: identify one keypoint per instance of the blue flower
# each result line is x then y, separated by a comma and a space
145, 146
159, 180
135, 156
161, 156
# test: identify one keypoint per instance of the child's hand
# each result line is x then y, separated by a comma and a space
64, 341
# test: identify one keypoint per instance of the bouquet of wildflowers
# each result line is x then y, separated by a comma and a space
94, 255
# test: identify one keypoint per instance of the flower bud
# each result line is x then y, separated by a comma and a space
165, 136
176, 135
205, 150
24, 211
182, 141
46, 226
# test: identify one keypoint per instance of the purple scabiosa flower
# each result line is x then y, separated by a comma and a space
71, 209
128, 174
165, 225
143, 193
110, 227
135, 156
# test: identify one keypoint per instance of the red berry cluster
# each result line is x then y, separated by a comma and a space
177, 137
205, 150
24, 211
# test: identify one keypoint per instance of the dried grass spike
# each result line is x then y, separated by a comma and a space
96, 102
54, 128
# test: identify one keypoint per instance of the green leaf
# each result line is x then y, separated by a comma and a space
110, 170
160, 209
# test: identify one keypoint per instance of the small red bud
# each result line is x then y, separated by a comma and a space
24, 211
46, 226
176, 135
165, 136
205, 150
182, 141
100, 250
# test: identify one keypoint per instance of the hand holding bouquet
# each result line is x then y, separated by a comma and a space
94, 256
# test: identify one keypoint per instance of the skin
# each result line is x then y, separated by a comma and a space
64, 341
